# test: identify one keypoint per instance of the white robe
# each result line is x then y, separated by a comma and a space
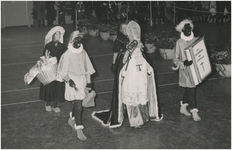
137, 85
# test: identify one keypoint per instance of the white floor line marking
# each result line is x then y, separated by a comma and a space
106, 92
100, 55
5, 44
113, 79
23, 63
19, 90
34, 101
30, 62
103, 80
17, 47
35, 88
20, 47
165, 73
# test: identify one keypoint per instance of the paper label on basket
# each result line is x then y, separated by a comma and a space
28, 77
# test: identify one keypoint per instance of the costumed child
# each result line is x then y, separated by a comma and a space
109, 117
75, 68
189, 98
53, 92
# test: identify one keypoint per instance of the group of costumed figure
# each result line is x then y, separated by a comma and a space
134, 92
73, 79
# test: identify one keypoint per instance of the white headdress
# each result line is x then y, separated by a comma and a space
73, 35
180, 26
133, 31
48, 37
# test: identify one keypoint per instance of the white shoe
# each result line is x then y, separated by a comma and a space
48, 108
56, 110
196, 117
183, 109
80, 133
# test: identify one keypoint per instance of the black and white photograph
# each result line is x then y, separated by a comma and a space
116, 74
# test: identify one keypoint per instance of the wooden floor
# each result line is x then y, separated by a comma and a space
26, 125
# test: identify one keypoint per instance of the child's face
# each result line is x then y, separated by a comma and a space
57, 36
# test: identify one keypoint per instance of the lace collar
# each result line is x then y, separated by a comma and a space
187, 38
75, 50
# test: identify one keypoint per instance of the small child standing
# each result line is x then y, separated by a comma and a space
185, 81
75, 68
53, 92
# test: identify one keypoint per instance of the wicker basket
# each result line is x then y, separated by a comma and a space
47, 74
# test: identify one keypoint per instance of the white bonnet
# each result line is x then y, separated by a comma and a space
48, 37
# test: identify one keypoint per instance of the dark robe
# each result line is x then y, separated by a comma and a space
53, 91
110, 117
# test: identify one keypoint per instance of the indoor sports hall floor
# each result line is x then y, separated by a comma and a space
26, 125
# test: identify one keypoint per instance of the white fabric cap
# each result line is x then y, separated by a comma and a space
180, 26
73, 35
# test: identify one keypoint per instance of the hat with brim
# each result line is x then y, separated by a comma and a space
48, 37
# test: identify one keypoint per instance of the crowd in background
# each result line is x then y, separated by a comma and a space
111, 11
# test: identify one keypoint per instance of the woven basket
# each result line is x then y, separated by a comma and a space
47, 74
